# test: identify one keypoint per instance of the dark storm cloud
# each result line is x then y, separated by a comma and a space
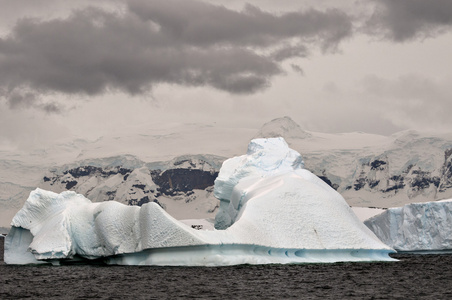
199, 23
403, 20
178, 42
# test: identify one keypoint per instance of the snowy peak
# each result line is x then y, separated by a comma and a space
282, 127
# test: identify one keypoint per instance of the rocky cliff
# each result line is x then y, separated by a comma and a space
185, 178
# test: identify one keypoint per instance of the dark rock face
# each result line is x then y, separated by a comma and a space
413, 179
395, 183
327, 181
144, 185
111, 195
370, 174
182, 180
91, 170
134, 187
360, 182
423, 180
377, 165
70, 184
143, 200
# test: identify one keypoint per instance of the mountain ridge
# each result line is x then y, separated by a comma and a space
367, 169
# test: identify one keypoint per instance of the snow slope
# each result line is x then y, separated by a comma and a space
278, 213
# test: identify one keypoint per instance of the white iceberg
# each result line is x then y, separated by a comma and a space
415, 227
273, 211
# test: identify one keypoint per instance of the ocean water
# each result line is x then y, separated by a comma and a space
415, 276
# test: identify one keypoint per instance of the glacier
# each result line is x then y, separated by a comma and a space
415, 227
272, 210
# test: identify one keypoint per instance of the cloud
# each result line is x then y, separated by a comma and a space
188, 43
290, 51
411, 101
200, 23
19, 99
297, 69
404, 20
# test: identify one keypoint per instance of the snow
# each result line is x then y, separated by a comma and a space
336, 156
303, 213
200, 224
265, 157
279, 212
364, 213
415, 226
203, 205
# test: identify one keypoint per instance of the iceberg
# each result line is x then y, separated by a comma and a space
415, 227
271, 211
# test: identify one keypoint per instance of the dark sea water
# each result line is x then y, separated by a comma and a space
413, 277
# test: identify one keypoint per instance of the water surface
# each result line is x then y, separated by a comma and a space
414, 276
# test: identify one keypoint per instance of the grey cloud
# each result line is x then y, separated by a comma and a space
52, 107
94, 51
17, 99
151, 42
200, 23
290, 52
403, 20
297, 69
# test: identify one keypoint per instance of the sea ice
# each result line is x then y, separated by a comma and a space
272, 211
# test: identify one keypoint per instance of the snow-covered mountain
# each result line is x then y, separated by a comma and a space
154, 148
373, 170
282, 127
183, 186
407, 167
176, 166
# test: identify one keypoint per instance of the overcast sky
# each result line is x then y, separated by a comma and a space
68, 68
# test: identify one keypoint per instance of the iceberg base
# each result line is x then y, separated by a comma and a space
228, 255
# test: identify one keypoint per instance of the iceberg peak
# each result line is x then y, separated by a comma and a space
264, 158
